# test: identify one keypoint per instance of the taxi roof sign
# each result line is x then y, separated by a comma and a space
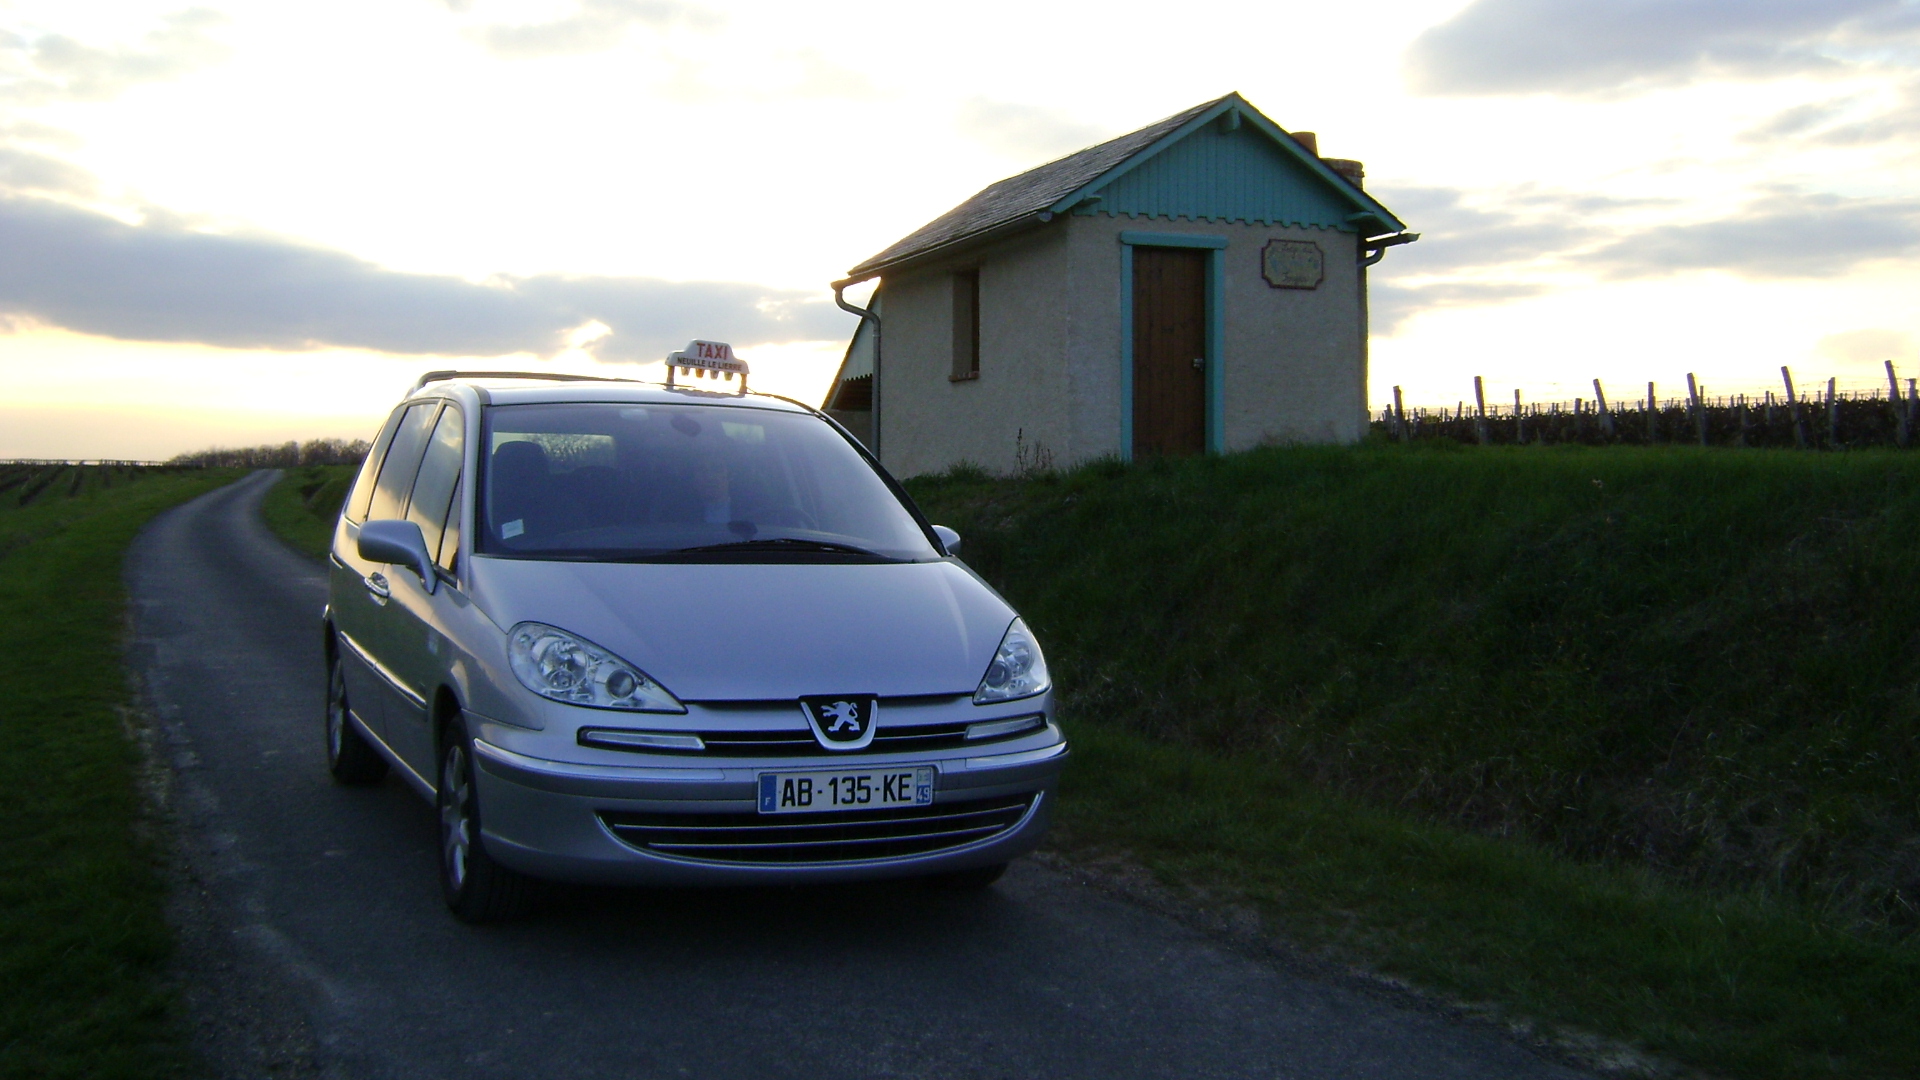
707, 359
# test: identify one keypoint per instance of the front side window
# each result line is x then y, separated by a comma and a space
397, 469
606, 481
439, 478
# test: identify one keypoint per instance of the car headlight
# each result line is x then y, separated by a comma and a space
1018, 669
567, 667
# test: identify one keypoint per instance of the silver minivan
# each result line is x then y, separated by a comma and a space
621, 632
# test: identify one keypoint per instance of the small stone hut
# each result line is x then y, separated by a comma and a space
1197, 286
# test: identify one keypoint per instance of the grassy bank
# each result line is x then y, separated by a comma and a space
83, 940
303, 507
1622, 738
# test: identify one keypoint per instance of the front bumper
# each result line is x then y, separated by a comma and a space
551, 818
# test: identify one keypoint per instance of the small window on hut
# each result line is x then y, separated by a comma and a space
966, 325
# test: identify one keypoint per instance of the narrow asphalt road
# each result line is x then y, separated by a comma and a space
322, 937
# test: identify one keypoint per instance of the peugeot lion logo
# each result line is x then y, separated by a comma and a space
840, 721
845, 716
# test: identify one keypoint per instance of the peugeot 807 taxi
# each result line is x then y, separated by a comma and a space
625, 632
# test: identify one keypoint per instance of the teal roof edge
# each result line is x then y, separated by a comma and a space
1365, 205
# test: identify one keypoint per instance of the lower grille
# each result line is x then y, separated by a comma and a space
801, 743
835, 836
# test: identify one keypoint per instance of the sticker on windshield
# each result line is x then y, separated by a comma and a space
513, 528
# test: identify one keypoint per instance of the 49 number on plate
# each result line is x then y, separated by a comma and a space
862, 789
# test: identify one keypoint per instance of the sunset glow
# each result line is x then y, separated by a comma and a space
250, 222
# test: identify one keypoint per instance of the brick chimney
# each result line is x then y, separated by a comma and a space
1349, 170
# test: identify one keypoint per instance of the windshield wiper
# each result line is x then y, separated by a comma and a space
786, 545
777, 543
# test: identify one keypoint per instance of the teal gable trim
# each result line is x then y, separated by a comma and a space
1233, 117
1215, 175
1216, 247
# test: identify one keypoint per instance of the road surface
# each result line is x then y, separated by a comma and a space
316, 943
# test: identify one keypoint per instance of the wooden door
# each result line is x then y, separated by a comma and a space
1169, 347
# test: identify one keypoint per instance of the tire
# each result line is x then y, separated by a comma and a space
980, 877
351, 759
477, 889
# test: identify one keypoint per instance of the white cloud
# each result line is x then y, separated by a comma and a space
1390, 304
56, 67
1497, 246
1607, 46
27, 170
28, 131
594, 26
159, 281
1785, 234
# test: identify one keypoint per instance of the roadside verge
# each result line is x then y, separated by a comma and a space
84, 940
1620, 741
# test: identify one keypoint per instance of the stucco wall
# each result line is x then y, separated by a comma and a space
1293, 359
928, 421
1051, 315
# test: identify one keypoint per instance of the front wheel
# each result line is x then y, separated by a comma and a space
477, 889
350, 758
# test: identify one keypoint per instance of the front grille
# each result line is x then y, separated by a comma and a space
834, 836
803, 744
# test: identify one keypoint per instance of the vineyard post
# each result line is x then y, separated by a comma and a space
1519, 421
1653, 418
1606, 417
1745, 422
1480, 418
1899, 407
1696, 407
1793, 406
1833, 415
1399, 416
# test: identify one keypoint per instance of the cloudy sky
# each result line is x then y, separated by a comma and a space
239, 222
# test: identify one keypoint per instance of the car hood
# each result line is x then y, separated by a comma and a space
737, 632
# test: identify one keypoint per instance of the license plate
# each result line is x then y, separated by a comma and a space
820, 790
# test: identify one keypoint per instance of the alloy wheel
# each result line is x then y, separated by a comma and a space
456, 818
336, 710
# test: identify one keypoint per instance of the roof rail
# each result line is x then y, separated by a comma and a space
551, 376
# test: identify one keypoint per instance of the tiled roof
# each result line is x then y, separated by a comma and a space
1028, 193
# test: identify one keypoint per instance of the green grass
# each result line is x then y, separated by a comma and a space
1625, 739
1738, 984
303, 507
83, 938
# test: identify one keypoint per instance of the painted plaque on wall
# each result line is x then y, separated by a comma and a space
1293, 264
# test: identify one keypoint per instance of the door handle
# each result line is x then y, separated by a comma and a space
377, 585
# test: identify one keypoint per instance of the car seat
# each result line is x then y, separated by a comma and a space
519, 484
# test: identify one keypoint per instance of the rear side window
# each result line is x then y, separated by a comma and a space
402, 461
439, 478
370, 468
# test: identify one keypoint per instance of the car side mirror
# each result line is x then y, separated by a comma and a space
402, 544
948, 539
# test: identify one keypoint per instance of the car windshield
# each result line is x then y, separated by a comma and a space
611, 482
